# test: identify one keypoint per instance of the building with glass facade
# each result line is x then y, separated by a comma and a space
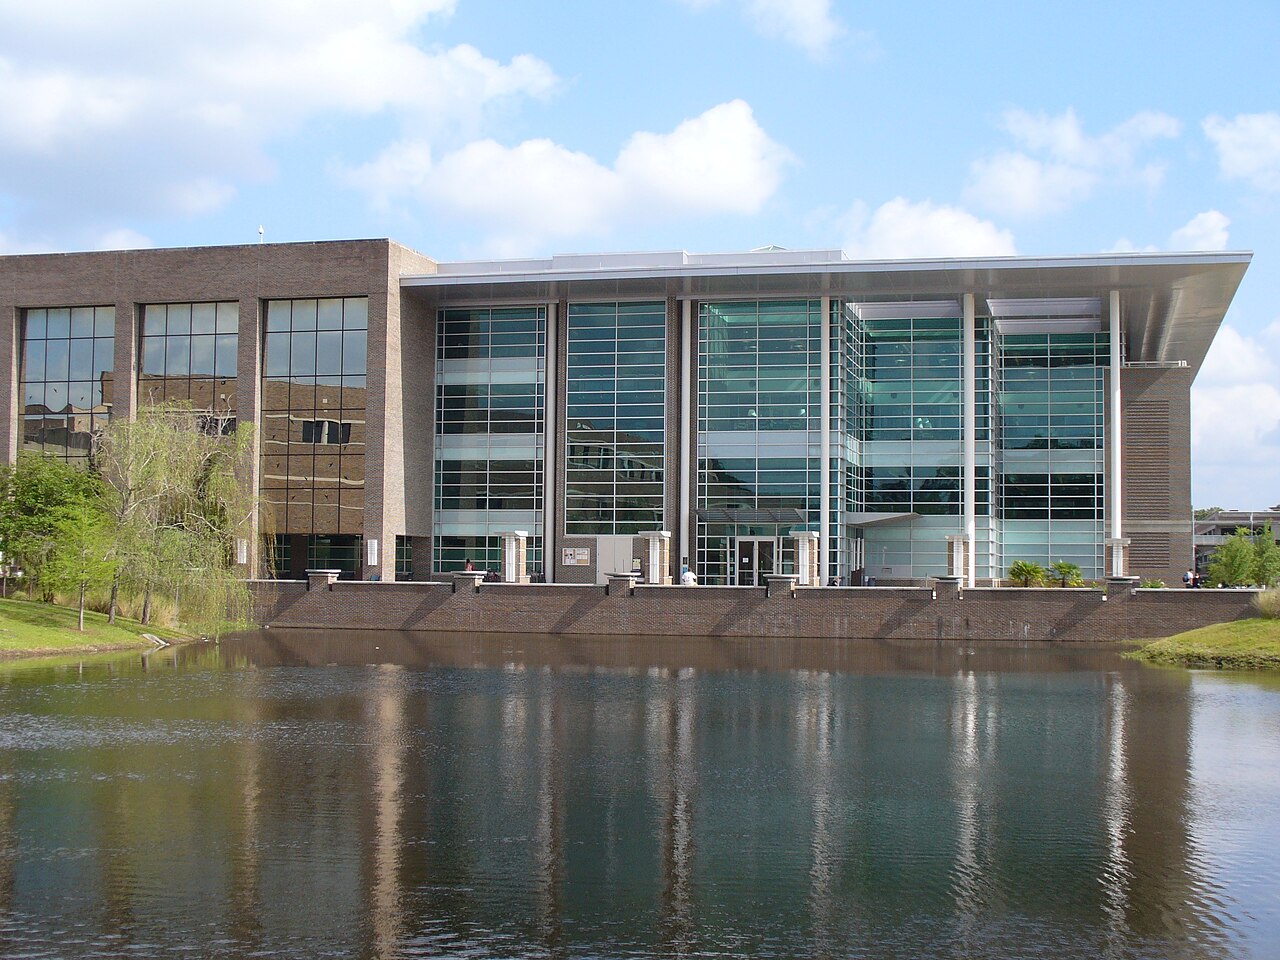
904, 418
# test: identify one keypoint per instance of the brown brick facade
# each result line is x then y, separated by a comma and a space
915, 613
250, 274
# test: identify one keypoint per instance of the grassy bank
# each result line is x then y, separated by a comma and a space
31, 629
1240, 645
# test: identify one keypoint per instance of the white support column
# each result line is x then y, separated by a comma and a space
824, 475
807, 572
688, 389
549, 421
1115, 480
513, 556
970, 472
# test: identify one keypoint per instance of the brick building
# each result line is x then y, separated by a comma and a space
916, 416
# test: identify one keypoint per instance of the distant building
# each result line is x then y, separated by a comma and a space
409, 411
1214, 529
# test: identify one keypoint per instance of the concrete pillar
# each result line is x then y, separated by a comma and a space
468, 581
688, 425
550, 452
657, 556
620, 584
322, 579
513, 556
11, 406
780, 585
970, 569
249, 410
808, 563
1115, 480
959, 548
1117, 557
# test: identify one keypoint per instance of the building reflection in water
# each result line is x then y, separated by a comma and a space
594, 793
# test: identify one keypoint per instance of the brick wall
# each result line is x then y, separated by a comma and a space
1156, 463
747, 612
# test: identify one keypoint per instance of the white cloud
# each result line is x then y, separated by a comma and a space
1020, 186
1204, 231
720, 162
123, 238
190, 114
1235, 420
1057, 164
807, 24
902, 229
1248, 148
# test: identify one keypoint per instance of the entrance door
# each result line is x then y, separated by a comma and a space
755, 560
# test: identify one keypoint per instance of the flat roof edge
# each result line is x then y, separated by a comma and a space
942, 265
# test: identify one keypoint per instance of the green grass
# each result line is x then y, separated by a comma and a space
1252, 644
28, 628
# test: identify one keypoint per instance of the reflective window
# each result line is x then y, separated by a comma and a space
313, 416
616, 417
189, 353
484, 552
490, 426
68, 354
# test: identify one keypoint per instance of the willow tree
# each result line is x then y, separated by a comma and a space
180, 500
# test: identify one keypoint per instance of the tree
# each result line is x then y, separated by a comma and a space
1026, 574
1204, 513
180, 500
1068, 574
34, 495
83, 554
1266, 558
1233, 563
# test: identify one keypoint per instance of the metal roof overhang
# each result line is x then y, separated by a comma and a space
1172, 303
878, 519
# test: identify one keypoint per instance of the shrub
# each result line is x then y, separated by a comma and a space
1027, 574
1267, 604
1067, 574
1153, 584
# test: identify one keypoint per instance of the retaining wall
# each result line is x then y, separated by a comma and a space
921, 613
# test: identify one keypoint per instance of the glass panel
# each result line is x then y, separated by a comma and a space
228, 319
304, 315
82, 321
329, 315
57, 358
226, 348
35, 329
202, 353
354, 353
59, 324
104, 321
81, 366
203, 317
179, 318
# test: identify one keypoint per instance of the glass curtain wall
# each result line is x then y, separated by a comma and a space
490, 433
189, 353
616, 418
313, 432
759, 373
68, 354
912, 425
1051, 404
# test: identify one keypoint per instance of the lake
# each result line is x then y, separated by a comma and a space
290, 794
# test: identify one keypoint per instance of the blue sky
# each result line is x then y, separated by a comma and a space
469, 128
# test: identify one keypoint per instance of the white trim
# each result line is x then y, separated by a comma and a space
688, 343
1115, 480
970, 440
550, 420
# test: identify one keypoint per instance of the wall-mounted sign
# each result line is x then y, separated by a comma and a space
577, 556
